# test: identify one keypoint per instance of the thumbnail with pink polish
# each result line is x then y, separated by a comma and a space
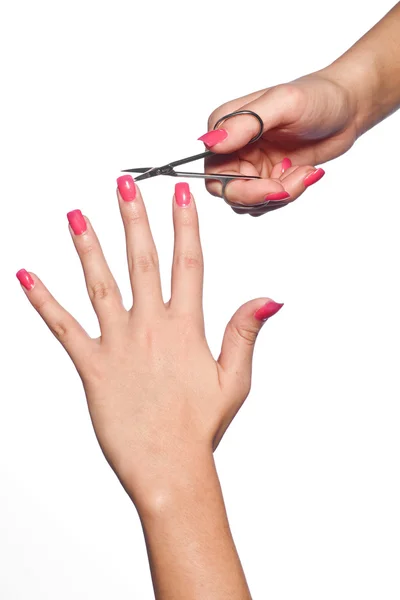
215, 136
313, 177
77, 222
286, 164
182, 194
127, 188
25, 279
268, 310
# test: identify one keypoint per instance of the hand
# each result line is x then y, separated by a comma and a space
158, 400
306, 122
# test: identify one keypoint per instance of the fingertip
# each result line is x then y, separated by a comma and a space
183, 196
233, 131
297, 179
26, 279
286, 164
277, 196
213, 137
313, 177
267, 310
127, 188
77, 222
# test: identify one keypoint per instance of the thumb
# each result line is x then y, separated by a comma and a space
237, 131
240, 336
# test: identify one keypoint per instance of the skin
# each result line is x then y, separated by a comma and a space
159, 402
310, 120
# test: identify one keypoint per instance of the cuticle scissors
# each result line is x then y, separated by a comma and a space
168, 169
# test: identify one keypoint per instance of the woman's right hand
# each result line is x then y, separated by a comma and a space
159, 401
306, 122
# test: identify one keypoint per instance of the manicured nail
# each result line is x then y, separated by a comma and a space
286, 164
313, 177
182, 194
277, 196
25, 279
215, 136
127, 188
77, 222
268, 310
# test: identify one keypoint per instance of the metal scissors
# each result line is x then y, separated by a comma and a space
168, 169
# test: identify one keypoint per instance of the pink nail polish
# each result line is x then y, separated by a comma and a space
313, 177
215, 136
25, 279
277, 196
286, 164
268, 310
77, 222
182, 194
127, 188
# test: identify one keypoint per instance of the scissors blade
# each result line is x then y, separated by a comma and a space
141, 170
214, 175
167, 169
183, 161
149, 173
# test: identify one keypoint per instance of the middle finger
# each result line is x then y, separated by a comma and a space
141, 251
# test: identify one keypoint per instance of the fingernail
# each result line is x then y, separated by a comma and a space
277, 196
127, 188
286, 164
182, 194
313, 177
268, 310
25, 279
77, 222
215, 136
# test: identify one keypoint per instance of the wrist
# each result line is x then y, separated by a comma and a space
358, 76
188, 538
178, 484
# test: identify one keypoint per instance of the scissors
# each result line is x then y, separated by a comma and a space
168, 169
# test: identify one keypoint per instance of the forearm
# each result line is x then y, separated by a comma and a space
190, 547
370, 70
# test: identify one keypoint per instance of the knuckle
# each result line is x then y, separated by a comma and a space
213, 188
244, 333
189, 260
212, 119
59, 327
86, 249
290, 93
40, 304
145, 262
100, 290
60, 330
218, 113
93, 370
133, 217
188, 326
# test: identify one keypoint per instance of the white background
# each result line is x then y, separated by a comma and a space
310, 468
